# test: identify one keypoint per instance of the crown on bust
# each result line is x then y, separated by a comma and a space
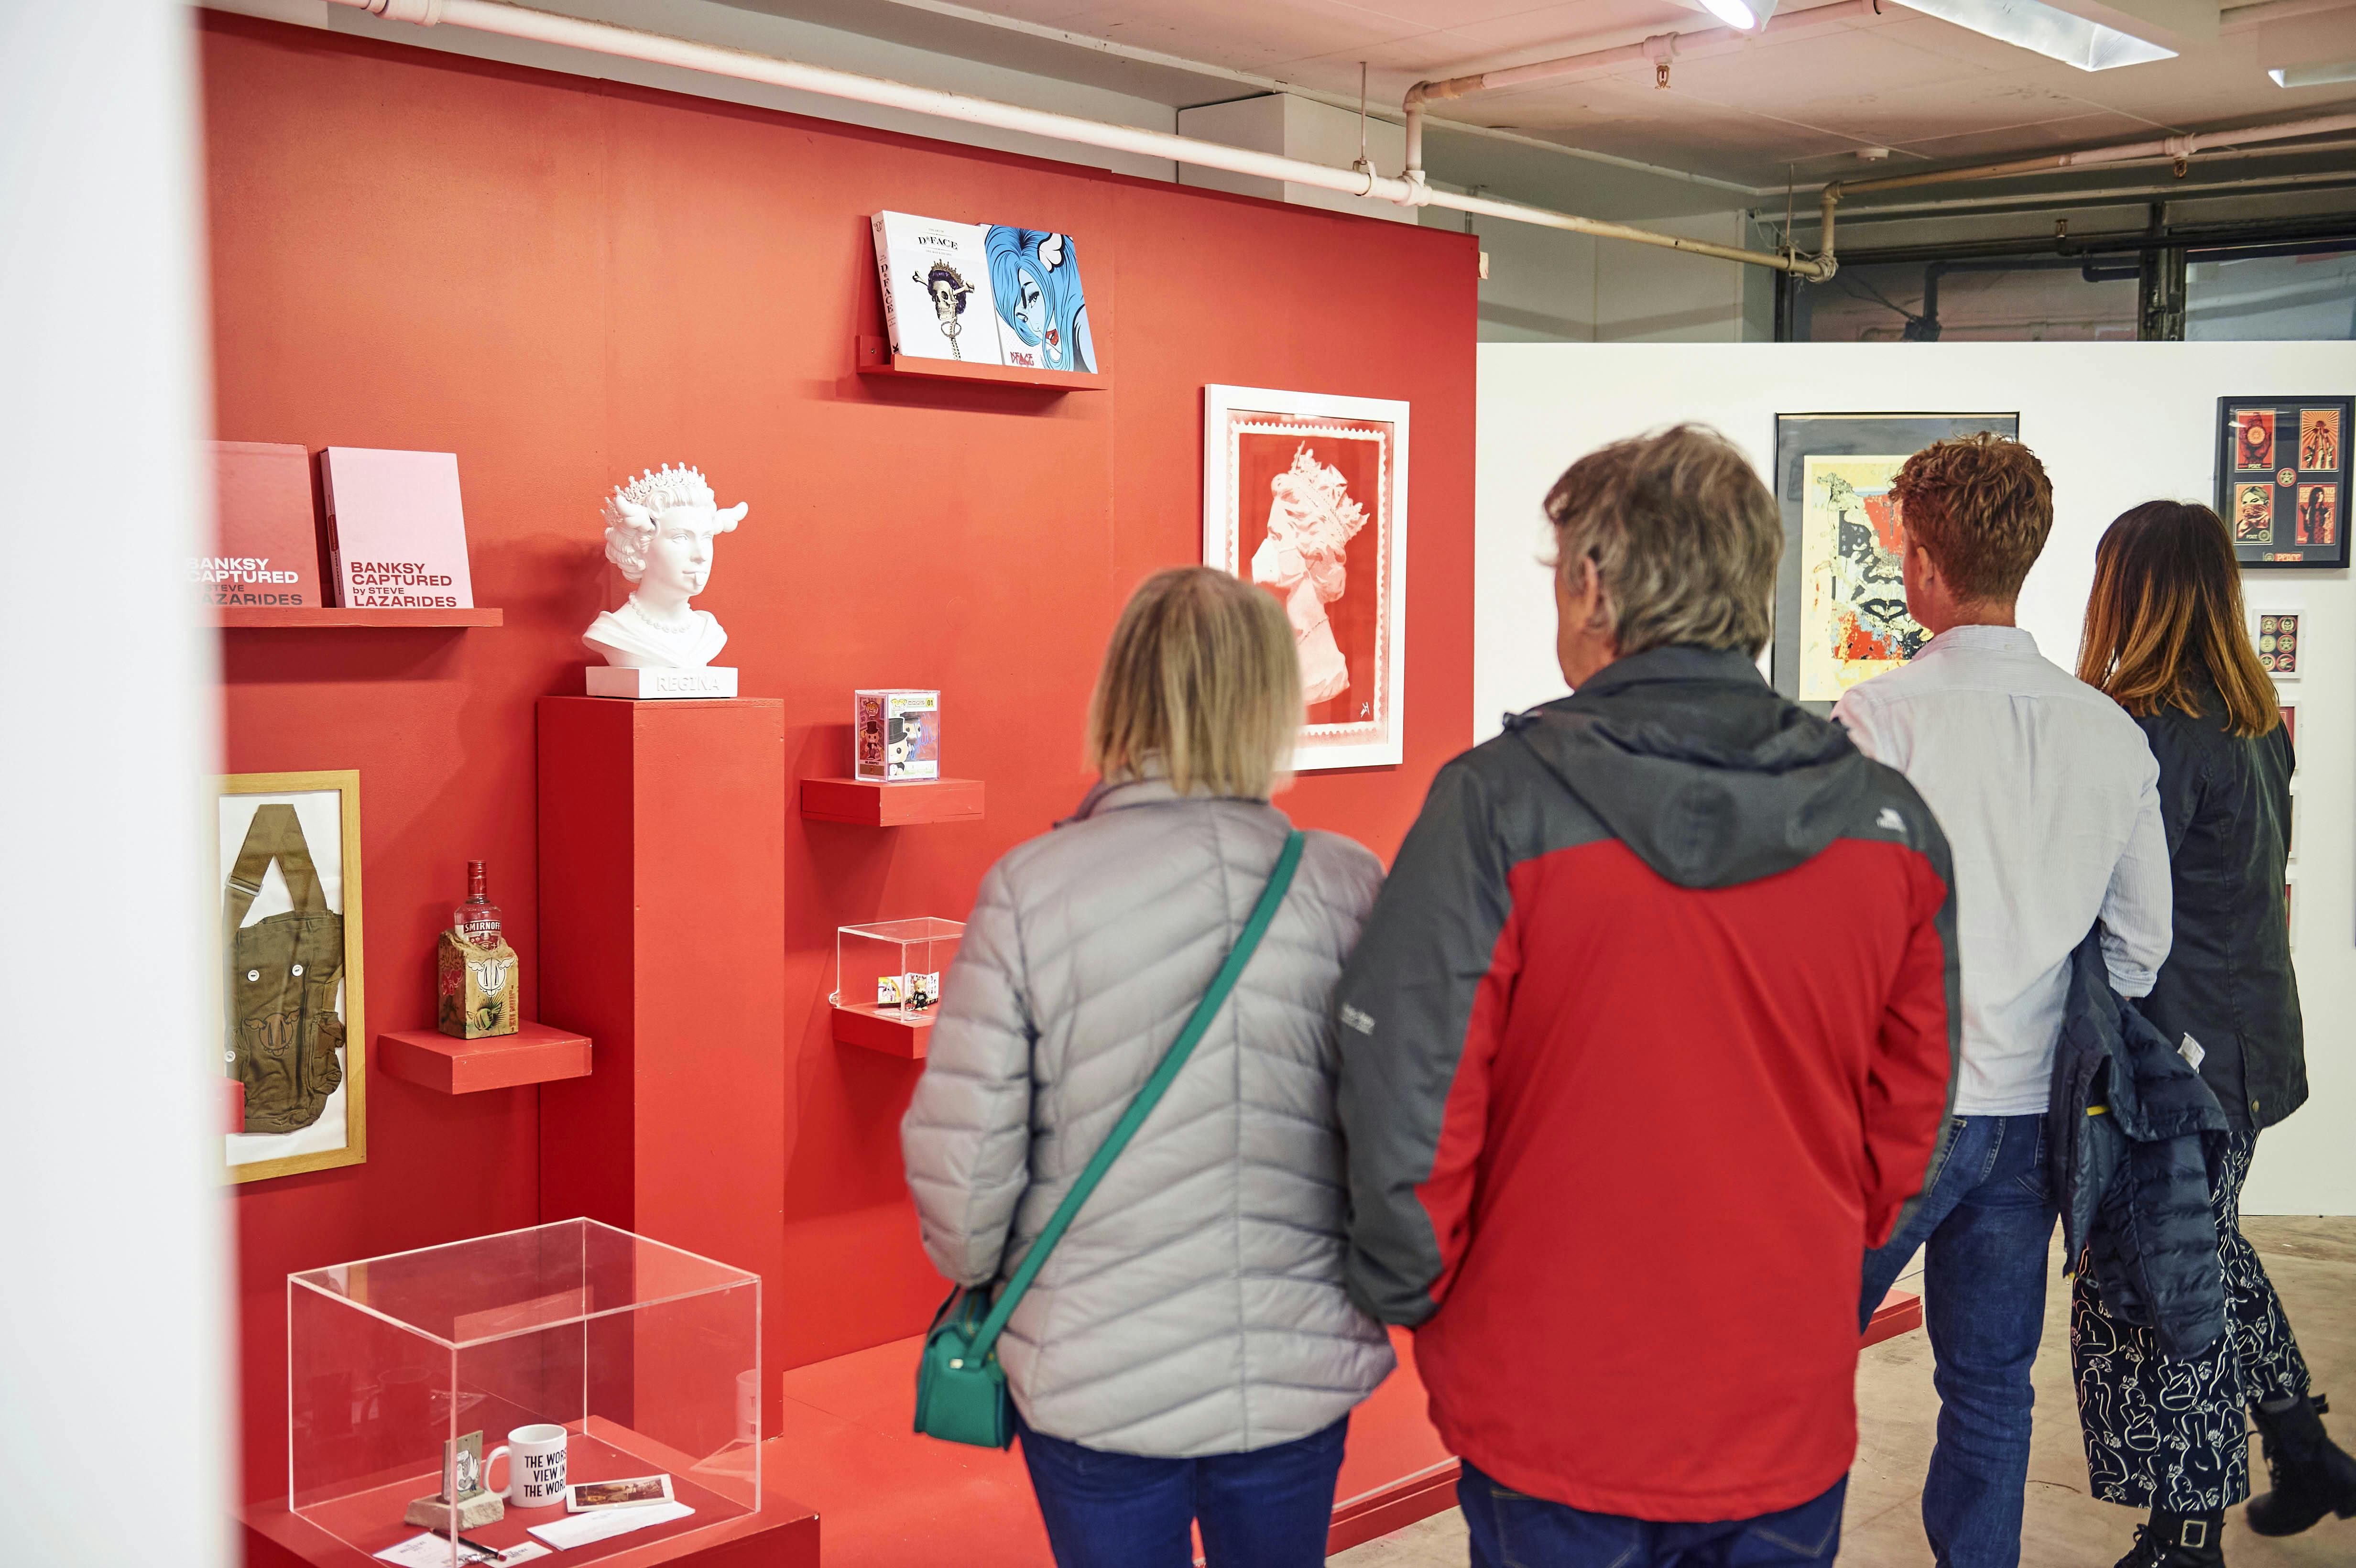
659, 490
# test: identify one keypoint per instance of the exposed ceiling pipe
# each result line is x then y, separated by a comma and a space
2178, 148
2239, 18
601, 37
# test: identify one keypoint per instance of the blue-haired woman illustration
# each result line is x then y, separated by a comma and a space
1036, 277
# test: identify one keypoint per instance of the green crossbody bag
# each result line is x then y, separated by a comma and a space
960, 1388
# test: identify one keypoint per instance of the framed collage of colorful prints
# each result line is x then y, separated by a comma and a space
1840, 592
292, 1046
1306, 495
2281, 479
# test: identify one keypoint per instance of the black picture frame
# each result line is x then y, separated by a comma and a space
1799, 437
2290, 492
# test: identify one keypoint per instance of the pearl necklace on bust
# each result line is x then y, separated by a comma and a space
692, 630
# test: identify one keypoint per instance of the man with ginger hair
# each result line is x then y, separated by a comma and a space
2050, 798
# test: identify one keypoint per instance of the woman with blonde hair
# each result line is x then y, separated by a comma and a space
2164, 640
1185, 1353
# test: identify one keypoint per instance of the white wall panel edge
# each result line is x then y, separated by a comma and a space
2116, 424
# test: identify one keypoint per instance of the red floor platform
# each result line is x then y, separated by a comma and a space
890, 1499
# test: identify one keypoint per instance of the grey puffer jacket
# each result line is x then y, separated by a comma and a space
1195, 1306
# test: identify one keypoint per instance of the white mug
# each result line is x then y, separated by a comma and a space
535, 1456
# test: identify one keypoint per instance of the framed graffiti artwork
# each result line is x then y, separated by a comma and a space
1305, 494
1840, 590
292, 1046
2282, 479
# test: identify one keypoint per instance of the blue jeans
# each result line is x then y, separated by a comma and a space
1984, 1223
1267, 1508
1512, 1529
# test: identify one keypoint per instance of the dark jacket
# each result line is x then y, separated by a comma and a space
2130, 1162
1660, 994
2227, 981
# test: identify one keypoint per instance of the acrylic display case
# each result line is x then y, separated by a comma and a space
893, 968
643, 1354
895, 735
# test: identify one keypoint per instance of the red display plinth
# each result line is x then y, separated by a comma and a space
232, 1106
867, 804
662, 937
888, 1032
783, 1534
535, 1053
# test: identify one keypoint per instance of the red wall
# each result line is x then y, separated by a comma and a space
564, 280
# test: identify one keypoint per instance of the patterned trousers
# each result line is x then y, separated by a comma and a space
2172, 1435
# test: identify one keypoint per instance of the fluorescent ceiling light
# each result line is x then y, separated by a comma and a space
2045, 29
2313, 75
1748, 15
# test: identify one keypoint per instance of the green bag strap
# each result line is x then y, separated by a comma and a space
1279, 879
274, 834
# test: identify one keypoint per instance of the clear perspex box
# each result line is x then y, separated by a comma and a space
647, 1356
893, 968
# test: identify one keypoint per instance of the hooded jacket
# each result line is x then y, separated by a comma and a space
2128, 1152
1650, 1036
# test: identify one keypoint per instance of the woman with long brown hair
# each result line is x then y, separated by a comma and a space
2164, 640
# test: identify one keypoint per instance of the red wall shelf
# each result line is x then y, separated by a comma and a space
876, 359
535, 1053
865, 803
892, 1035
246, 617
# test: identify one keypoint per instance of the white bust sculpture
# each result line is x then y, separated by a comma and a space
658, 530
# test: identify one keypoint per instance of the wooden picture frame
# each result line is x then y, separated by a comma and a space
325, 806
1330, 473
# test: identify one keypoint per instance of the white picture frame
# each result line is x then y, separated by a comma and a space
1345, 473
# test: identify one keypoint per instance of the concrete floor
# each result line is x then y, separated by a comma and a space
2313, 1266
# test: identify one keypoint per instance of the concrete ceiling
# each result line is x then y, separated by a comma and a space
1801, 103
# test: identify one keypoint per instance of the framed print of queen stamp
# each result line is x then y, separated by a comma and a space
2282, 478
1305, 494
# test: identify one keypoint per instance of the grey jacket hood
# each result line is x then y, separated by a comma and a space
1694, 763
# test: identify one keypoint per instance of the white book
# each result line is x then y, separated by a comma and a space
937, 295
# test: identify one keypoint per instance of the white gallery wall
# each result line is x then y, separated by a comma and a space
2116, 423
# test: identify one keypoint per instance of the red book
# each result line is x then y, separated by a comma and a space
396, 534
267, 551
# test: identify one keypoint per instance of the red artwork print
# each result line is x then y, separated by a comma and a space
1309, 517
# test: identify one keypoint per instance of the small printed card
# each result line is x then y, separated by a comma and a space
580, 1530
641, 1491
431, 1551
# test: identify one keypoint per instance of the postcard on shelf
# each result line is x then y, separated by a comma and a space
641, 1491
396, 532
267, 549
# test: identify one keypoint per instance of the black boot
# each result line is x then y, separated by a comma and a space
2312, 1477
2179, 1540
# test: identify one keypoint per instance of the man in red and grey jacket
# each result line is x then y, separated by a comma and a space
1648, 1038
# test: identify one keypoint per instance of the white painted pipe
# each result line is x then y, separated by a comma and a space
601, 37
1656, 48
2177, 147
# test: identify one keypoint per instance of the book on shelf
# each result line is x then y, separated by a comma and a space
396, 532
984, 293
266, 537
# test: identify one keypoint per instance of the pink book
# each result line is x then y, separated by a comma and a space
267, 552
396, 537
